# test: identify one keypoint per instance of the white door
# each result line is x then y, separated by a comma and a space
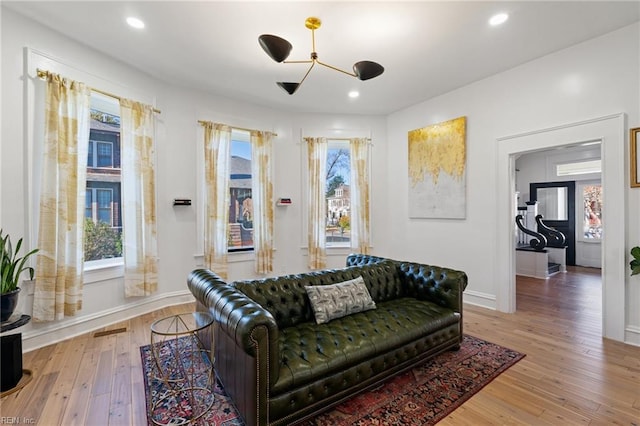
589, 224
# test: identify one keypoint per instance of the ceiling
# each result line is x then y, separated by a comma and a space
427, 48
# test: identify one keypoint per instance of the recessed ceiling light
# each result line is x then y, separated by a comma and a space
354, 94
135, 22
498, 19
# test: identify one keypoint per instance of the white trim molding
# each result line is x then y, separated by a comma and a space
56, 332
478, 298
632, 335
611, 131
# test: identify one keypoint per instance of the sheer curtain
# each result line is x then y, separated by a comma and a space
262, 194
217, 146
59, 265
140, 247
317, 165
360, 238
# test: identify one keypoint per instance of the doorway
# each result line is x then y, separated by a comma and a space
610, 131
556, 204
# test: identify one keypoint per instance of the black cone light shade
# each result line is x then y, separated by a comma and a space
290, 88
366, 70
279, 49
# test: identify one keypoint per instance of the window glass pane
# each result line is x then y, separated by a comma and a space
241, 202
104, 198
338, 194
103, 223
592, 225
88, 200
105, 154
90, 160
579, 168
553, 203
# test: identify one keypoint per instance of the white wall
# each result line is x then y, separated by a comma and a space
593, 79
178, 137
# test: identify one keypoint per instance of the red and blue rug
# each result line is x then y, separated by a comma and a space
422, 396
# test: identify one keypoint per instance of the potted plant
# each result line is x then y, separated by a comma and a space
635, 263
11, 268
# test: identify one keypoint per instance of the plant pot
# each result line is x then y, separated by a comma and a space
8, 303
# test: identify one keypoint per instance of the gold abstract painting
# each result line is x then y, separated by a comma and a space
437, 165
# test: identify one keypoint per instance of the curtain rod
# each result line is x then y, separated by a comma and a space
338, 139
203, 122
42, 74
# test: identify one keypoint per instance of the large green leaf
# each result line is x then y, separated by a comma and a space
635, 263
12, 266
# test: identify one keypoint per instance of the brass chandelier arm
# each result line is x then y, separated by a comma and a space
313, 63
337, 69
308, 61
279, 49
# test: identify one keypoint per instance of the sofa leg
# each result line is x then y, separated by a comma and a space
455, 348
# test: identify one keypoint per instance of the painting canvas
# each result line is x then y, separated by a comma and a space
437, 170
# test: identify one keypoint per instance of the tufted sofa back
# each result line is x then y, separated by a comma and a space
286, 299
424, 282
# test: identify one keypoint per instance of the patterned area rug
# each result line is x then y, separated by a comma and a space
422, 396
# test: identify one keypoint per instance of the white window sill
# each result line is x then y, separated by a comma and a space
103, 270
590, 240
232, 257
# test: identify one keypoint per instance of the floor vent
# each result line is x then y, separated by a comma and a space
108, 332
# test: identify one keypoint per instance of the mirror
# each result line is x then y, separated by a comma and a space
553, 203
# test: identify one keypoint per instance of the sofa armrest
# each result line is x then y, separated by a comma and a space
243, 321
443, 286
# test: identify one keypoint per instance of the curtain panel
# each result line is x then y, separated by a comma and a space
262, 195
217, 146
140, 247
59, 264
317, 149
360, 230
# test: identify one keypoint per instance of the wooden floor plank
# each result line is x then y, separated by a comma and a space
79, 398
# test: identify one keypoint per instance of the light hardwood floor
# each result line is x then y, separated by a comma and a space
570, 375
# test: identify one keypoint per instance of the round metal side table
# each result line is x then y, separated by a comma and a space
182, 366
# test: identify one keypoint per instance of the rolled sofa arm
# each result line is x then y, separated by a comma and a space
249, 325
443, 286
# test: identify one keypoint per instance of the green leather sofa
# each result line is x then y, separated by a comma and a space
280, 367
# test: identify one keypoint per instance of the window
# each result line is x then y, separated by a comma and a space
592, 223
579, 168
101, 154
103, 220
240, 201
338, 194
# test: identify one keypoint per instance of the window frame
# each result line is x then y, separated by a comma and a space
335, 144
107, 268
339, 135
93, 76
580, 185
244, 137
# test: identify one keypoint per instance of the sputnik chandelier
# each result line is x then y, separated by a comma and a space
278, 49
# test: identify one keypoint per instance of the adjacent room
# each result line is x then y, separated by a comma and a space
320, 213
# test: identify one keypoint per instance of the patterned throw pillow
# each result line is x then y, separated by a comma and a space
339, 300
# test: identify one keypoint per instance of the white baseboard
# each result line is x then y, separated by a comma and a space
477, 298
55, 332
632, 335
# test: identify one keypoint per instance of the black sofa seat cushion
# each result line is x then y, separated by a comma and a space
309, 351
